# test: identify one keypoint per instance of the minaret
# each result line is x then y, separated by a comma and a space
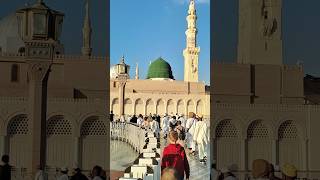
260, 39
86, 32
137, 72
191, 52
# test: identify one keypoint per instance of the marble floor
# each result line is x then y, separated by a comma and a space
122, 155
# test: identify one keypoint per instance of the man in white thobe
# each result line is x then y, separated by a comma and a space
182, 120
191, 121
201, 137
165, 125
154, 125
140, 120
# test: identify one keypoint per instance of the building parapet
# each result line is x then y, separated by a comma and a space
8, 56
274, 107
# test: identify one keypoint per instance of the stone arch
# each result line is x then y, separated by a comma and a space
115, 106
290, 146
258, 129
93, 133
128, 106
233, 119
139, 107
200, 107
18, 132
226, 129
18, 125
259, 143
190, 106
70, 118
180, 107
60, 145
150, 108
227, 143
160, 107
300, 130
171, 107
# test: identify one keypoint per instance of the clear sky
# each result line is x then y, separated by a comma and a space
300, 32
144, 30
72, 26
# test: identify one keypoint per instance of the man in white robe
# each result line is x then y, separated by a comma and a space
201, 137
165, 125
154, 125
191, 121
183, 120
140, 120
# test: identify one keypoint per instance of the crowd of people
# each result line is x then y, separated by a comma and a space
183, 133
261, 170
97, 172
193, 133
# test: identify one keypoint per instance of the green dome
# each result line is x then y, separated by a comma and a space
159, 69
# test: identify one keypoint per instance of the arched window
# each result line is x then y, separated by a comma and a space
15, 73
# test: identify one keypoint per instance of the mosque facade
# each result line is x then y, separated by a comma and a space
40, 86
260, 108
160, 93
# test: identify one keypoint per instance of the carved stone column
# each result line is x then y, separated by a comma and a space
77, 145
274, 151
243, 154
3, 145
122, 79
38, 72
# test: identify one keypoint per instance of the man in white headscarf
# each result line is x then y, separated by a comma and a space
201, 137
154, 125
183, 120
191, 122
165, 125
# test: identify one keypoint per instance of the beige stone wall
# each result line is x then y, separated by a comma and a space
261, 84
279, 133
69, 77
73, 126
148, 96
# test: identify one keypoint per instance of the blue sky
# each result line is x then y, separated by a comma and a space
144, 30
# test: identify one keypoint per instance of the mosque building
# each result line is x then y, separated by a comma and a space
160, 93
41, 86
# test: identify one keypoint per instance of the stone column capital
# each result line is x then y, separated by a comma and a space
37, 70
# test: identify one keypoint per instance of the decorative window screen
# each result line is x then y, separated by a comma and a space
18, 125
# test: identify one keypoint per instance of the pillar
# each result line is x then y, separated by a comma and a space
274, 145
121, 98
305, 155
77, 153
243, 154
3, 145
38, 73
122, 78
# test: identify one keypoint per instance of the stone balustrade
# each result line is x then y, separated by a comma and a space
145, 142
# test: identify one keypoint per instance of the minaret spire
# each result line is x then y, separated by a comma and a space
137, 71
191, 52
86, 31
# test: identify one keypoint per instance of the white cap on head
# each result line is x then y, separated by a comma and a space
64, 168
225, 170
